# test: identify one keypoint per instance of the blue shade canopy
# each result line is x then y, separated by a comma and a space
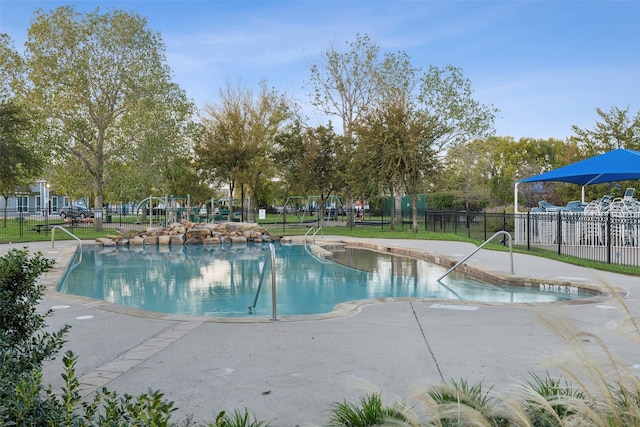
617, 165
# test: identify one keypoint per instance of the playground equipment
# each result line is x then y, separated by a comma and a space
310, 205
166, 210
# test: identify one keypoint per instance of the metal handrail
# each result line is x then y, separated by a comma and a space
480, 247
307, 233
313, 236
274, 303
317, 231
53, 238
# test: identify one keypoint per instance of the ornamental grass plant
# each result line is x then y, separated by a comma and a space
596, 386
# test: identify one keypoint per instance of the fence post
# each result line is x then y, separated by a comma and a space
504, 220
443, 222
608, 237
434, 221
21, 222
485, 225
528, 231
559, 233
455, 222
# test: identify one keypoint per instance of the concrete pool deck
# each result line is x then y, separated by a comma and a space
289, 372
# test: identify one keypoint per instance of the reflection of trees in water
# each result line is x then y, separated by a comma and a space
377, 262
224, 278
165, 276
190, 278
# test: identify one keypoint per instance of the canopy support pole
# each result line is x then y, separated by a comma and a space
515, 198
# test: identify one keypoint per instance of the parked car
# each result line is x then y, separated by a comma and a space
75, 211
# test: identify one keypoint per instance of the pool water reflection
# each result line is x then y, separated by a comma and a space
221, 280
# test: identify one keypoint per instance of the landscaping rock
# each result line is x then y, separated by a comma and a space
177, 239
136, 241
199, 233
238, 239
106, 242
189, 233
151, 240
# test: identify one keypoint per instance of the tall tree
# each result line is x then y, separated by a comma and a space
446, 99
238, 133
310, 159
489, 167
420, 117
100, 79
345, 84
288, 154
617, 129
345, 81
406, 154
21, 160
11, 69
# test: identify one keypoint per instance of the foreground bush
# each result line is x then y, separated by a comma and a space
24, 345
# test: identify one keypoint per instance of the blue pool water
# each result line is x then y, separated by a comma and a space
221, 280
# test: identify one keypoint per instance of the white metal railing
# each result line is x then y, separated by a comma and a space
480, 247
619, 229
53, 237
313, 236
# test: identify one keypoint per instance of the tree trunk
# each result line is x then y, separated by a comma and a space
392, 210
350, 216
414, 213
322, 210
398, 211
4, 213
97, 219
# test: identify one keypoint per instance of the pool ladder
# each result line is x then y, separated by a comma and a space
269, 259
459, 263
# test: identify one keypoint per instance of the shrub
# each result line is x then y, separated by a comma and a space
368, 412
238, 419
23, 343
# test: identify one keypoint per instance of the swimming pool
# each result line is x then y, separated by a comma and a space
222, 280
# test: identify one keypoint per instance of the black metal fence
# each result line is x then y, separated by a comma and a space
609, 238
612, 237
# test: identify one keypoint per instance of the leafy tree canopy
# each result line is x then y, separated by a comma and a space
103, 83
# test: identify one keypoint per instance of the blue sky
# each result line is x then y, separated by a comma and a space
547, 65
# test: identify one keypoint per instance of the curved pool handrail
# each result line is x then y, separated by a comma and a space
53, 238
313, 236
459, 263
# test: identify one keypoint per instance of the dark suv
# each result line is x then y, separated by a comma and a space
75, 211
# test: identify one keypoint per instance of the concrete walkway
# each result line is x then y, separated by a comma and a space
289, 372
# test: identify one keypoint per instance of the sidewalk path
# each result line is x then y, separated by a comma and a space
290, 372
